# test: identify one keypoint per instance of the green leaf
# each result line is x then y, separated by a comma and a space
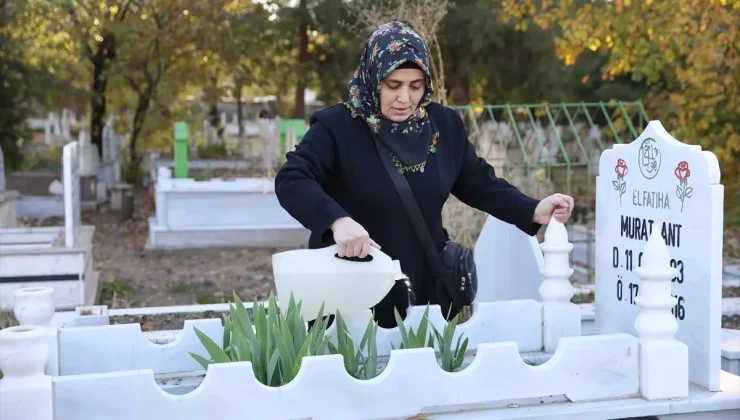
318, 332
246, 328
449, 331
615, 184
303, 352
231, 352
217, 353
271, 379
245, 355
286, 356
689, 192
344, 344
297, 328
623, 188
678, 192
246, 344
227, 331
200, 359
423, 327
461, 355
273, 313
371, 366
287, 338
262, 332
401, 329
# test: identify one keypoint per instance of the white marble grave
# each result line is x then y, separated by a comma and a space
242, 212
57, 257
637, 375
657, 183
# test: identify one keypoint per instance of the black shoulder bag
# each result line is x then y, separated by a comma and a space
454, 267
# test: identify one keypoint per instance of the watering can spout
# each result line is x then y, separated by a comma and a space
319, 276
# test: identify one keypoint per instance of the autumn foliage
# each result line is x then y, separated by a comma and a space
687, 51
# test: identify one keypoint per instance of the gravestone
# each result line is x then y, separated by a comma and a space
71, 180
508, 263
657, 182
181, 149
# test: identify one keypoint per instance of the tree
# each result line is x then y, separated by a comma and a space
161, 36
687, 51
12, 95
244, 49
336, 50
91, 30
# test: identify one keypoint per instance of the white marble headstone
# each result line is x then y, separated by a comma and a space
508, 263
71, 180
657, 182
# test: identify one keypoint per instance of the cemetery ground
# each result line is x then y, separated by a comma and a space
134, 277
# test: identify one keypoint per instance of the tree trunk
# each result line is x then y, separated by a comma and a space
214, 120
300, 89
460, 82
139, 118
239, 111
103, 56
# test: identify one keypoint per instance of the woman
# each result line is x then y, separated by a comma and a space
336, 185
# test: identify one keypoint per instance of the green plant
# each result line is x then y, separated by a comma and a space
450, 360
411, 340
213, 151
355, 362
206, 175
275, 345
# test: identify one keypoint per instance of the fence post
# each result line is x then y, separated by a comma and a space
560, 317
664, 361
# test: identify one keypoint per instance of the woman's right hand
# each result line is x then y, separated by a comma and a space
351, 238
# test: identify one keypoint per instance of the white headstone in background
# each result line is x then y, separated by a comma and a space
71, 179
508, 263
89, 157
657, 182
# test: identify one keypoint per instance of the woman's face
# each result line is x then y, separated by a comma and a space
400, 93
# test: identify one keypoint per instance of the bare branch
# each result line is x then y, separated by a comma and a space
133, 83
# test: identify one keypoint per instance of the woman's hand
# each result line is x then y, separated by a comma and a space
351, 238
558, 205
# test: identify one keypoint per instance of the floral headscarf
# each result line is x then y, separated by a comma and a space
389, 46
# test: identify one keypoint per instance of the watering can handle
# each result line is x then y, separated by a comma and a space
374, 254
367, 258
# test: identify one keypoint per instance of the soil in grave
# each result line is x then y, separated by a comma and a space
727, 292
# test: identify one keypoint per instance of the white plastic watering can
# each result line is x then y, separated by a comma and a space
317, 276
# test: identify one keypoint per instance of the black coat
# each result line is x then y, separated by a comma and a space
336, 171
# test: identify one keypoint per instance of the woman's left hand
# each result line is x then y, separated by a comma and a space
558, 205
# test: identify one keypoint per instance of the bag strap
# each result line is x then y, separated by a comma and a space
413, 211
